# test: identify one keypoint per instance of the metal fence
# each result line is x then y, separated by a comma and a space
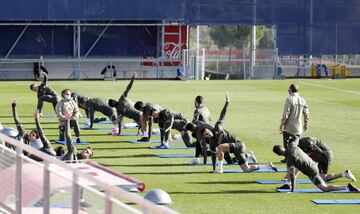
53, 186
89, 68
223, 64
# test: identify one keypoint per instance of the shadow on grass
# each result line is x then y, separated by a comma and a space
124, 156
145, 165
223, 182
102, 142
33, 123
224, 192
166, 173
22, 116
107, 148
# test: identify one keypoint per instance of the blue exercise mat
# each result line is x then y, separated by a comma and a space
101, 122
97, 128
283, 182
173, 147
310, 191
54, 116
152, 141
342, 201
137, 142
74, 142
134, 134
49, 116
127, 134
261, 170
175, 155
224, 163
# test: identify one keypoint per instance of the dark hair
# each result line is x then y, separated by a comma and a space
139, 105
152, 111
277, 149
92, 151
63, 91
112, 103
189, 127
202, 131
32, 86
82, 100
199, 99
294, 88
194, 135
36, 133
59, 151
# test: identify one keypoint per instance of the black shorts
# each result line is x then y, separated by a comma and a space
317, 180
324, 161
238, 149
323, 167
179, 125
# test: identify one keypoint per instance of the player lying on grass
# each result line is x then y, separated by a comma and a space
167, 120
146, 109
223, 141
35, 138
125, 108
319, 152
87, 153
297, 159
45, 94
92, 105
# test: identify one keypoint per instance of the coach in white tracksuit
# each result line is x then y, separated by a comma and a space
291, 121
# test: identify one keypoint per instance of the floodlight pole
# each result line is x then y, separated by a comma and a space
276, 54
311, 30
197, 67
253, 43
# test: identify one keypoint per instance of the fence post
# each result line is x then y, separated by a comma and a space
108, 203
202, 65
18, 180
75, 195
46, 188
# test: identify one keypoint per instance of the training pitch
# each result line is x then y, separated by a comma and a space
253, 115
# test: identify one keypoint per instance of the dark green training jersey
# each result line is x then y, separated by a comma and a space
315, 148
47, 148
202, 114
44, 89
125, 107
96, 104
221, 135
22, 136
300, 160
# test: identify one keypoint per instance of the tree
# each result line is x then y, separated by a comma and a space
235, 36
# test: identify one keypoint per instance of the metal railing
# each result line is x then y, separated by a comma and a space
28, 179
88, 68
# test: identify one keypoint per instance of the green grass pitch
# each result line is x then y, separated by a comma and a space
253, 115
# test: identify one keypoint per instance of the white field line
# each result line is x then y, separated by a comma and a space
332, 88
